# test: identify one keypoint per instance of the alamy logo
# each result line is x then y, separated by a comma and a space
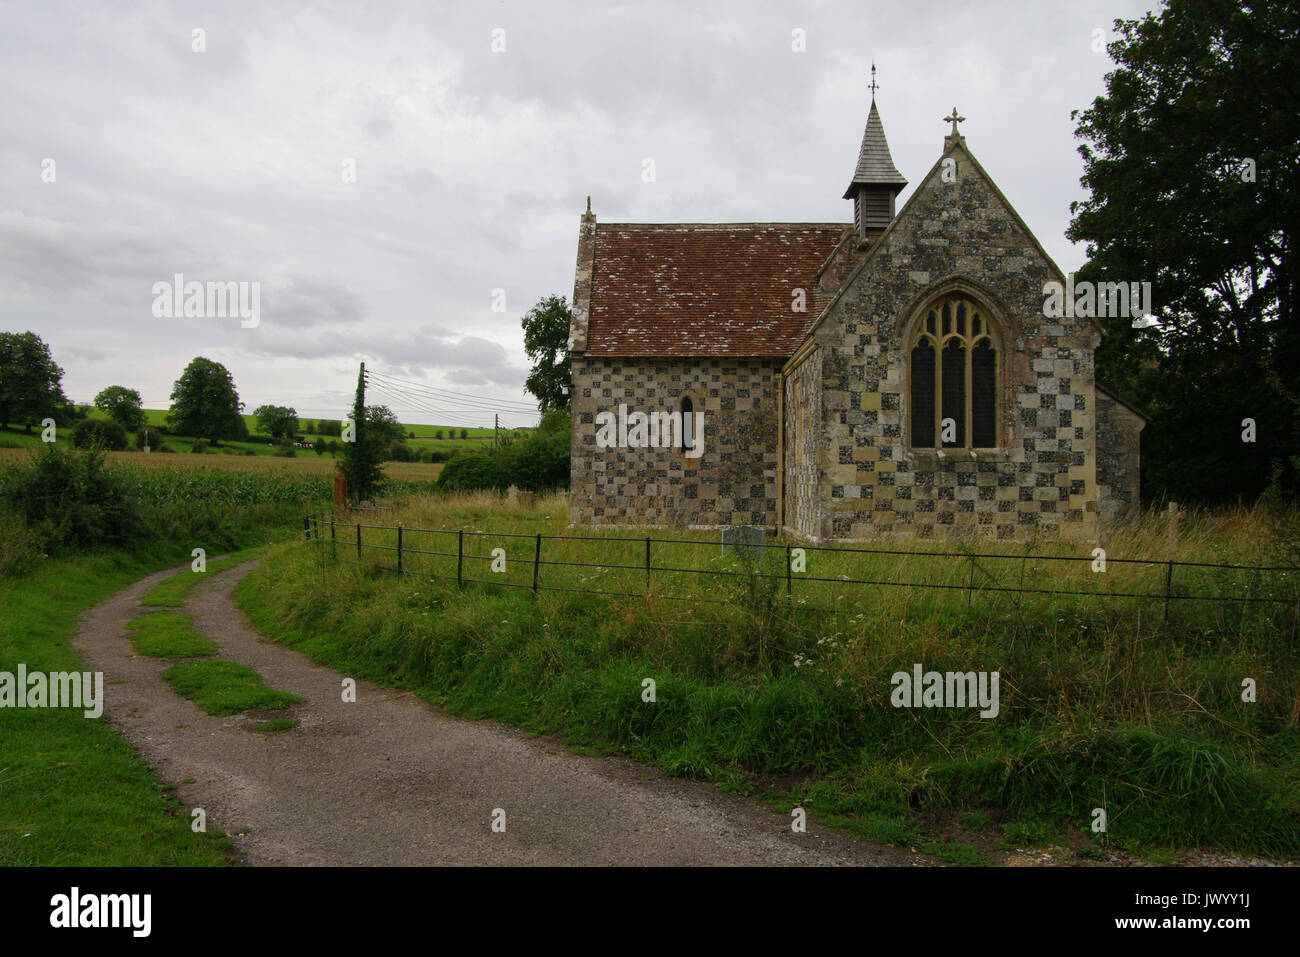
58, 689
653, 430
103, 910
953, 689
1090, 300
208, 300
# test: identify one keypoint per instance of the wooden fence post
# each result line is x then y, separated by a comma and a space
306, 527
647, 566
789, 595
334, 548
970, 584
537, 561
358, 541
460, 557
399, 548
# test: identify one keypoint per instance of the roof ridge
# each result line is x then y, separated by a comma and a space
755, 225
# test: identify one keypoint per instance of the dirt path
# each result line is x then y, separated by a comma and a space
391, 780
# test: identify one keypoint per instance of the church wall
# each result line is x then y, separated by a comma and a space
732, 483
1042, 479
802, 433
1119, 439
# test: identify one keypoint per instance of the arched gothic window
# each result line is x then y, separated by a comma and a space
953, 366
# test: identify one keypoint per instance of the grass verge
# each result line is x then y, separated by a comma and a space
1099, 709
168, 634
72, 791
223, 687
172, 592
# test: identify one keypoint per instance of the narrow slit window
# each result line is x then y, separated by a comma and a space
923, 394
953, 390
983, 387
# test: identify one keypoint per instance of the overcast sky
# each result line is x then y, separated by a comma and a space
472, 165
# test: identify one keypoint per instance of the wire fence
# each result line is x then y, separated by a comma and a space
692, 570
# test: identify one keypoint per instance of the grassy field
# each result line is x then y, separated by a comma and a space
16, 438
1104, 704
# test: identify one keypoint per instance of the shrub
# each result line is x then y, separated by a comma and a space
151, 436
249, 452
285, 450
474, 471
166, 448
199, 446
99, 433
401, 452
69, 499
541, 461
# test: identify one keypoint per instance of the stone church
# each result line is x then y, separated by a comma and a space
896, 377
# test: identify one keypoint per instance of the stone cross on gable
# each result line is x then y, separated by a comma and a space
954, 120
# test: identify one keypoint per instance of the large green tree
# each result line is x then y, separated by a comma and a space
277, 421
1191, 157
123, 406
546, 340
205, 403
30, 381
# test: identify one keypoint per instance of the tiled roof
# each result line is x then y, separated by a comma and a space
705, 289
875, 165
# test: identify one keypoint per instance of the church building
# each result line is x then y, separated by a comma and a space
897, 377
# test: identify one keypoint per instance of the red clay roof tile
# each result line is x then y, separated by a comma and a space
705, 289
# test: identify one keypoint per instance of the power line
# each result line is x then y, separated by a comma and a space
470, 400
443, 416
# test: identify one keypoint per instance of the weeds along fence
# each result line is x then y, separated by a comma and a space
815, 579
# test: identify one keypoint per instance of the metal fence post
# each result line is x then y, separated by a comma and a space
358, 541
460, 557
970, 584
647, 566
537, 561
306, 527
399, 549
334, 548
789, 595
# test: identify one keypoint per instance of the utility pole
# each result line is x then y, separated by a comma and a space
496, 426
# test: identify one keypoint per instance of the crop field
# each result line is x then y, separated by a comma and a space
239, 479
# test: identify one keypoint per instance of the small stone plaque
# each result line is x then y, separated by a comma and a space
747, 537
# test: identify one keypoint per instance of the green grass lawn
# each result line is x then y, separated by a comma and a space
72, 791
168, 634
223, 687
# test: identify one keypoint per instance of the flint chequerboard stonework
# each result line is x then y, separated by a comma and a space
891, 378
